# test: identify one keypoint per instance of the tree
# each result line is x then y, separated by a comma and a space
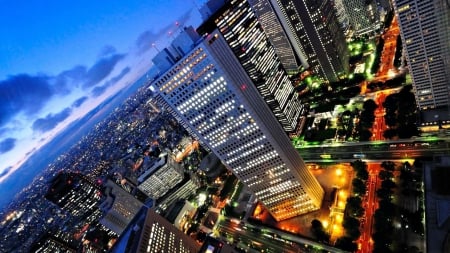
359, 187
346, 243
354, 206
363, 174
319, 231
388, 184
388, 165
351, 226
390, 133
370, 105
385, 175
384, 193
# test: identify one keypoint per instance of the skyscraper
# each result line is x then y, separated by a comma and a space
150, 232
161, 177
239, 25
119, 207
76, 194
274, 31
425, 33
362, 15
313, 29
213, 96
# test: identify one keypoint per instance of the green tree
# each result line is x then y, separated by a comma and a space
359, 187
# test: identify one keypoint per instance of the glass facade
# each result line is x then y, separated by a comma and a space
215, 98
313, 26
425, 33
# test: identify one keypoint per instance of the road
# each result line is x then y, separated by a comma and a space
380, 150
370, 204
387, 69
261, 239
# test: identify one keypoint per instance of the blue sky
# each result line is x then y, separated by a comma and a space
60, 59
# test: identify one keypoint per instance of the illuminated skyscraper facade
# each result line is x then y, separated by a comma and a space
213, 96
76, 194
362, 15
274, 31
150, 232
424, 29
244, 34
313, 29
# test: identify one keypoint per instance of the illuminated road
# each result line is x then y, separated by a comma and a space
370, 204
380, 150
260, 239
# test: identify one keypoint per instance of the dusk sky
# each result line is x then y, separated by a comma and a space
60, 59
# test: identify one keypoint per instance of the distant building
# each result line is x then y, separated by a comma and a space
52, 244
212, 94
150, 232
119, 207
184, 42
161, 177
76, 194
425, 33
164, 59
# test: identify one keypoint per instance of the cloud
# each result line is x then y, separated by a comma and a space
107, 50
68, 78
5, 171
147, 38
7, 144
23, 93
79, 102
101, 69
99, 90
51, 120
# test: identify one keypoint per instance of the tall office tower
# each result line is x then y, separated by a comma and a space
76, 194
313, 29
362, 15
150, 232
341, 15
50, 244
183, 190
184, 42
119, 207
424, 29
244, 34
274, 31
161, 177
213, 95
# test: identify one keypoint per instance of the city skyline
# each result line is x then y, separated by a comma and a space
199, 121
57, 65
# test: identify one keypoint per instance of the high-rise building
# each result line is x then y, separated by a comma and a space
152, 233
215, 97
274, 31
314, 31
341, 15
76, 194
363, 16
119, 207
161, 177
424, 29
50, 243
244, 34
183, 190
